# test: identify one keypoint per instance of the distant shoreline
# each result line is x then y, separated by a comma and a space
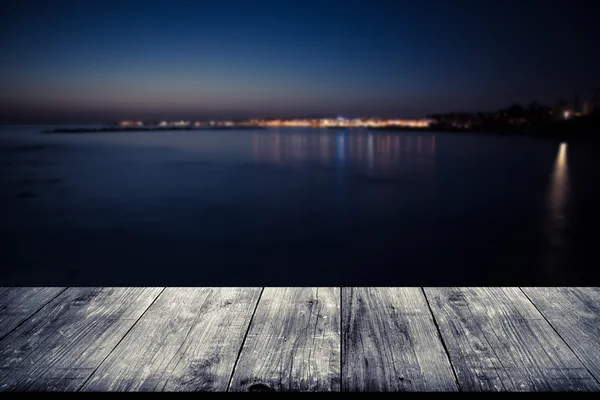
571, 133
563, 131
147, 129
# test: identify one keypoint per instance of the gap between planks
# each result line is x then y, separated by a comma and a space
252, 319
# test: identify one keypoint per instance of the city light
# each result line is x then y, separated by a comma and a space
130, 123
338, 122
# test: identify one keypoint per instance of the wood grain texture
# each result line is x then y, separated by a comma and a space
59, 347
498, 341
19, 303
188, 340
293, 343
390, 342
300, 339
575, 314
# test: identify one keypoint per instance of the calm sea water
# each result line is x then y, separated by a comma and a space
296, 207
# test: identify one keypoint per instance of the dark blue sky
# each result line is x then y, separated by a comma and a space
92, 61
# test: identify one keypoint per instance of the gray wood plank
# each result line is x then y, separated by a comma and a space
293, 343
390, 342
59, 347
188, 340
575, 315
498, 341
19, 303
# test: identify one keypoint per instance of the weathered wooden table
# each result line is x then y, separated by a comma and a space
306, 339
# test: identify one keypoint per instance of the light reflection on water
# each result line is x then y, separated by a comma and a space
557, 220
559, 188
377, 154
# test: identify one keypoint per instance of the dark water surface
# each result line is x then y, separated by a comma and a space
296, 207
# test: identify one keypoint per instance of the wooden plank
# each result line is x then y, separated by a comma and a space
188, 340
59, 347
498, 341
19, 303
575, 314
390, 342
293, 343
